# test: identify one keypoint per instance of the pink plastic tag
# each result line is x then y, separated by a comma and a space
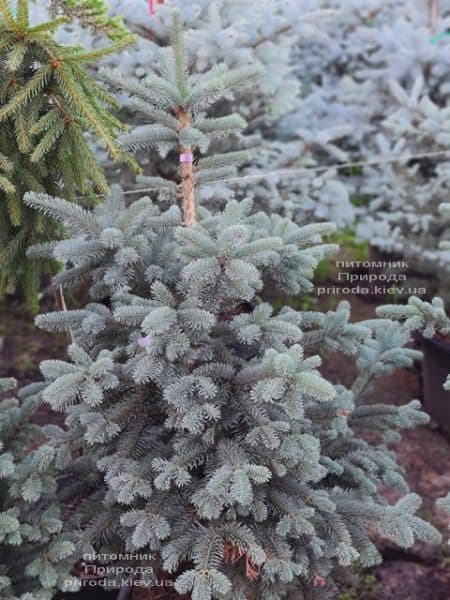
145, 341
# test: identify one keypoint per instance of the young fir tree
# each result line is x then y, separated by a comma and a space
35, 558
430, 318
265, 35
206, 443
48, 103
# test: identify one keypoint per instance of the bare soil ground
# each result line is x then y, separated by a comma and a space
23, 346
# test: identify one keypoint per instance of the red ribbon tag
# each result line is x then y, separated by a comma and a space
151, 6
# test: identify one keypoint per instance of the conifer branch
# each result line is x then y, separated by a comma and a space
48, 104
49, 26
74, 94
7, 14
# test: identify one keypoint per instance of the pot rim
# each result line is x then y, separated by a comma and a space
437, 342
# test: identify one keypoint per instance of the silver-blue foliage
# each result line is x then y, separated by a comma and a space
199, 423
36, 557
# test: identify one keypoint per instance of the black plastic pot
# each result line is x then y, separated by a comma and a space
436, 368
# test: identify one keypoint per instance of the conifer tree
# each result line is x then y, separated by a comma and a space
35, 558
429, 318
48, 102
201, 430
285, 129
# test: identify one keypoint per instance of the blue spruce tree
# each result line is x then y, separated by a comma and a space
207, 445
35, 556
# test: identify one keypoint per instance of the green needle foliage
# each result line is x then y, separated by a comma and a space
92, 14
48, 103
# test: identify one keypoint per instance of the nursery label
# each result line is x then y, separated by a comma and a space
117, 576
117, 583
374, 282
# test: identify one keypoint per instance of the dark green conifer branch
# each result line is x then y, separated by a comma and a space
92, 14
48, 103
